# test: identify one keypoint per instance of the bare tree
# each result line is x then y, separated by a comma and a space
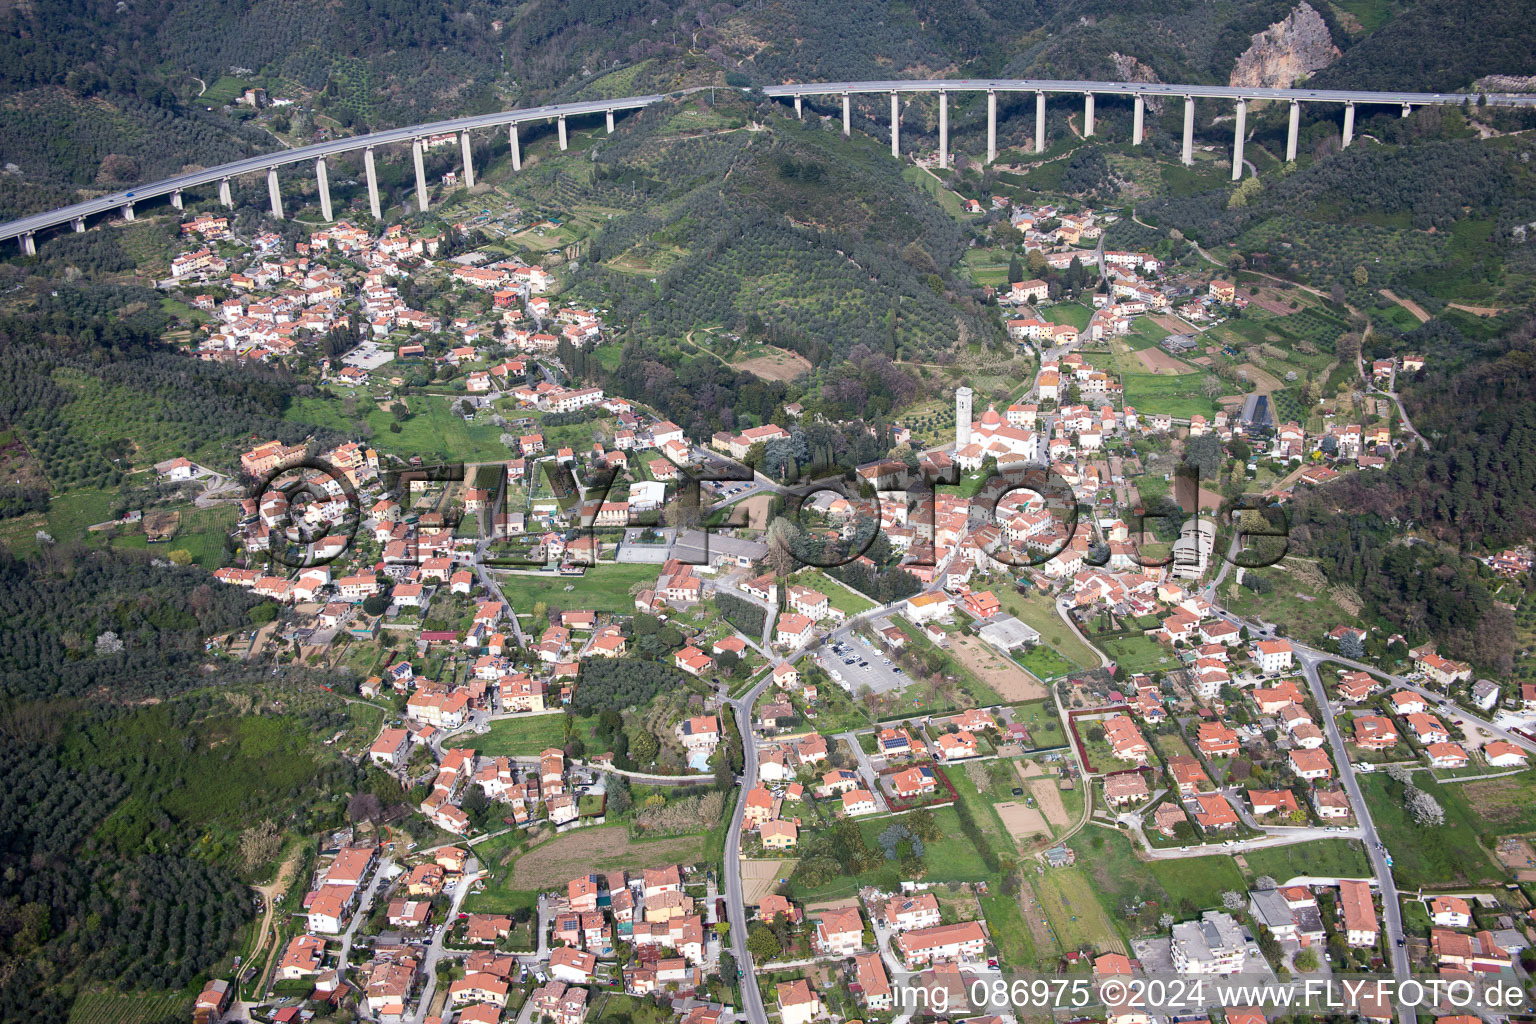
259, 844
364, 807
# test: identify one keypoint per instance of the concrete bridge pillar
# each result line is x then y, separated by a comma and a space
1039, 122
176, 200
798, 111
895, 124
562, 133
78, 224
373, 184
28, 244
943, 129
517, 150
1349, 124
1137, 118
991, 125
421, 176
225, 197
1087, 115
469, 160
324, 184
1292, 132
1237, 140
847, 116
128, 212
1188, 154
1407, 109
274, 193
610, 121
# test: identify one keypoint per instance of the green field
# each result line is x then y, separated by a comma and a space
1139, 654
1044, 725
1039, 613
520, 737
1074, 313
1044, 663
1506, 805
987, 266
604, 588
431, 431
201, 534
1136, 891
838, 596
222, 90
1447, 854
1145, 333
1334, 858
1178, 395
933, 186
952, 859
1306, 612
1006, 925
1078, 920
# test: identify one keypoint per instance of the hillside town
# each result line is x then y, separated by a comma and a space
1211, 731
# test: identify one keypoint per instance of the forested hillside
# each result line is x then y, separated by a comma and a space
1476, 490
157, 98
94, 391
138, 776
825, 242
1433, 218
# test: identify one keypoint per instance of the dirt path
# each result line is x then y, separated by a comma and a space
1034, 916
1408, 304
272, 889
1476, 310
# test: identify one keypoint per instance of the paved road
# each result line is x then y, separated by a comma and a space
435, 950
1391, 904
1063, 613
1403, 416
489, 583
868, 769
352, 144
735, 903
270, 161
1289, 837
364, 903
1402, 682
1139, 89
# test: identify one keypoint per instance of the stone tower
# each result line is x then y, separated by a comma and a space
962, 417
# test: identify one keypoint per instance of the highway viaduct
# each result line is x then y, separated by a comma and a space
25, 229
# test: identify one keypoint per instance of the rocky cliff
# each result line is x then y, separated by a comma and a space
1129, 69
1286, 51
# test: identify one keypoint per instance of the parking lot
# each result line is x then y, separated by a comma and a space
869, 667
